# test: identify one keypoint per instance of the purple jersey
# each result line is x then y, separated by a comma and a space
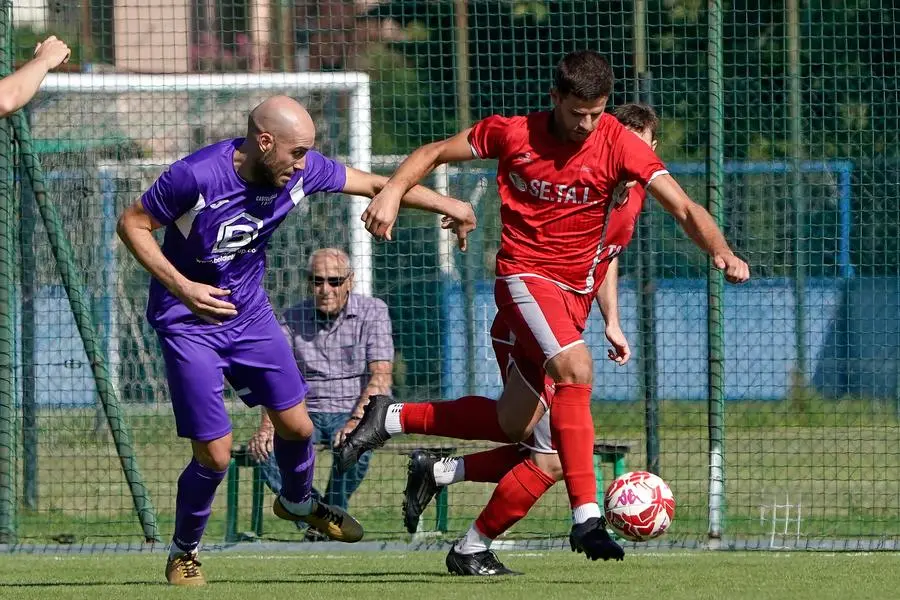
218, 225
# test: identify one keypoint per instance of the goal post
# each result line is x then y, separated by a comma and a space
357, 85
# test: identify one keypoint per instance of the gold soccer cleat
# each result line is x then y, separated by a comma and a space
184, 569
330, 520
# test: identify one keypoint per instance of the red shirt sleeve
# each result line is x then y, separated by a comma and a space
488, 137
634, 160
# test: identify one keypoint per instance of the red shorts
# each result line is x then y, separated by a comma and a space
544, 319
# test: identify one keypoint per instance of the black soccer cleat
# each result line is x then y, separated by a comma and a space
420, 487
480, 564
592, 538
368, 434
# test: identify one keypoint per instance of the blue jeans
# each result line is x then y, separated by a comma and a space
340, 486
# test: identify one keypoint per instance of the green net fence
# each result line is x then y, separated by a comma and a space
811, 177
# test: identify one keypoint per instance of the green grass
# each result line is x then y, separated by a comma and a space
414, 576
841, 460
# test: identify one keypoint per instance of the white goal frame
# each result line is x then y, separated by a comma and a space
360, 122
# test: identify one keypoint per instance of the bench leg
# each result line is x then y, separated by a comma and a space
619, 465
598, 473
443, 510
231, 513
256, 517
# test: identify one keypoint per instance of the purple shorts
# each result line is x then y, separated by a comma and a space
254, 356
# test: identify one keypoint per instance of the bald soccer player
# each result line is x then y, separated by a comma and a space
219, 206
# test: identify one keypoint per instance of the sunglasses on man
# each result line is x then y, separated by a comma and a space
332, 281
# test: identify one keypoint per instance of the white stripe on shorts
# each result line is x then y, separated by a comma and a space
533, 316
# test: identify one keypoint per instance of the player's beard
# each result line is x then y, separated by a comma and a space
265, 171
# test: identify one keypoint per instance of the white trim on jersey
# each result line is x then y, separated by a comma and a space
185, 222
297, 193
474, 151
657, 174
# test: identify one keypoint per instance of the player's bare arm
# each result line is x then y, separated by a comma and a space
382, 211
460, 214
699, 225
608, 301
135, 228
18, 89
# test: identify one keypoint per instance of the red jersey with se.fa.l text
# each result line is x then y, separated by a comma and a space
556, 197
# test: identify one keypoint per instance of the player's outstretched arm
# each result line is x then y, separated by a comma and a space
700, 227
382, 211
608, 300
19, 88
460, 217
135, 228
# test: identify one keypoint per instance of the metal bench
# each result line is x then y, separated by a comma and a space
604, 453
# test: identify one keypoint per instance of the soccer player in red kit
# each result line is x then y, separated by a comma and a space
559, 174
524, 472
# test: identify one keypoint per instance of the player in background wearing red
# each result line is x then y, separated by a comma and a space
559, 173
525, 472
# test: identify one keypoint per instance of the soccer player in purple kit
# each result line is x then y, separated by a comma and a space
219, 206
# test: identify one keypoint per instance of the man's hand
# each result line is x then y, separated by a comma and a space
736, 270
340, 434
381, 214
461, 227
262, 444
620, 353
202, 301
52, 51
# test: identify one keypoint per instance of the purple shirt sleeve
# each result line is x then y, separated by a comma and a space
323, 174
172, 195
377, 332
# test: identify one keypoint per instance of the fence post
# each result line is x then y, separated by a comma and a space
7, 304
715, 283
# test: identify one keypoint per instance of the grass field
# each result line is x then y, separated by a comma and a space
421, 575
839, 459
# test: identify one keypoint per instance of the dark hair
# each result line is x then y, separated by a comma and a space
639, 116
585, 75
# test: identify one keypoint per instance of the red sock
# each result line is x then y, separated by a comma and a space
572, 430
491, 465
468, 418
514, 496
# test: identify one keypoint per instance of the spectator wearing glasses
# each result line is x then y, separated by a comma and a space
343, 346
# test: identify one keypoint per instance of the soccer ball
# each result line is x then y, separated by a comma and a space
639, 506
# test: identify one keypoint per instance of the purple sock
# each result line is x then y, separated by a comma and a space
196, 490
296, 459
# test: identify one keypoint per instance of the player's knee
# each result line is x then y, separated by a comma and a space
549, 464
215, 454
515, 428
292, 424
572, 366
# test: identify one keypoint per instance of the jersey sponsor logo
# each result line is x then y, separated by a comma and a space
264, 200
236, 233
517, 181
551, 192
522, 159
